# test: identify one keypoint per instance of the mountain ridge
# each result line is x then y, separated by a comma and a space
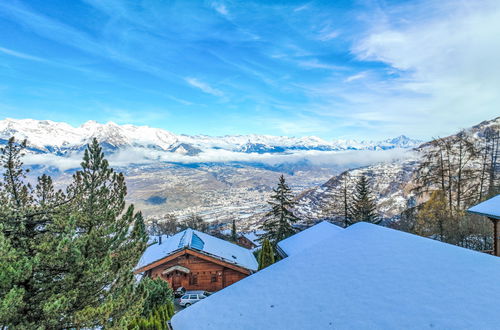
45, 136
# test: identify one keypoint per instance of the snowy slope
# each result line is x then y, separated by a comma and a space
364, 277
391, 182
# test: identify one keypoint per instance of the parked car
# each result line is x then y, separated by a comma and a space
179, 292
191, 297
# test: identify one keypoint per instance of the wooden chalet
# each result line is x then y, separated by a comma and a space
245, 242
197, 261
491, 209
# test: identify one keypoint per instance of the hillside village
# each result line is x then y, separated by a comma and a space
249, 165
358, 277
189, 269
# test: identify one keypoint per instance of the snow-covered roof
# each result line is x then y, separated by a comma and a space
196, 240
489, 208
310, 236
254, 237
368, 277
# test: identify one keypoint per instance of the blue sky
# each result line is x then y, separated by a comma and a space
336, 69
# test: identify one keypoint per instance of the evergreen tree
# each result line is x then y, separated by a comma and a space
363, 206
158, 293
278, 223
234, 235
266, 255
111, 240
26, 217
70, 255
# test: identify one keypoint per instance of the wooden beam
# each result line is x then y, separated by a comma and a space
496, 246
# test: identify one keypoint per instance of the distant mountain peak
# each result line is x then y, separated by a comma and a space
47, 136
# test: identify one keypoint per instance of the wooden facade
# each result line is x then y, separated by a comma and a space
245, 242
195, 270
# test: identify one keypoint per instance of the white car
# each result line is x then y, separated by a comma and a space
190, 297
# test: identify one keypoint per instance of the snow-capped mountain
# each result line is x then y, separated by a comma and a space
54, 137
392, 182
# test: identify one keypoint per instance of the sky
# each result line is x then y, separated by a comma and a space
367, 69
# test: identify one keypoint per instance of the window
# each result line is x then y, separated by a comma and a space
193, 296
214, 278
185, 297
193, 280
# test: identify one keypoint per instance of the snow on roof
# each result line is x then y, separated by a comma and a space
489, 208
368, 277
254, 236
304, 239
196, 240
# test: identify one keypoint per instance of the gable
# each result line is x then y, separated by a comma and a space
194, 253
204, 243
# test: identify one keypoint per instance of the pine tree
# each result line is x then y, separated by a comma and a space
278, 223
111, 240
158, 293
24, 223
234, 235
70, 255
266, 255
363, 206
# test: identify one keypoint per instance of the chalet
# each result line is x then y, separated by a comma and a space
243, 241
491, 209
361, 277
197, 261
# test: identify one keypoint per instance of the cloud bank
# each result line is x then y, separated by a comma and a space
142, 156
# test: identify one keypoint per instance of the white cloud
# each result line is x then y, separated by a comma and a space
71, 161
20, 55
206, 88
301, 8
129, 156
444, 57
354, 77
328, 35
220, 8
315, 64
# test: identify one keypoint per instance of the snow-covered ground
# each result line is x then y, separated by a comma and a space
362, 277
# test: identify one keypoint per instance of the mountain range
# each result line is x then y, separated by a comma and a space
227, 177
46, 136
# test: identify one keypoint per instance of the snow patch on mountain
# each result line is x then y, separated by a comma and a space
49, 136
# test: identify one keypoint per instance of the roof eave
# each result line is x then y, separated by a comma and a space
491, 216
185, 248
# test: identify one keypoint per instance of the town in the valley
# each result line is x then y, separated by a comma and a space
249, 165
